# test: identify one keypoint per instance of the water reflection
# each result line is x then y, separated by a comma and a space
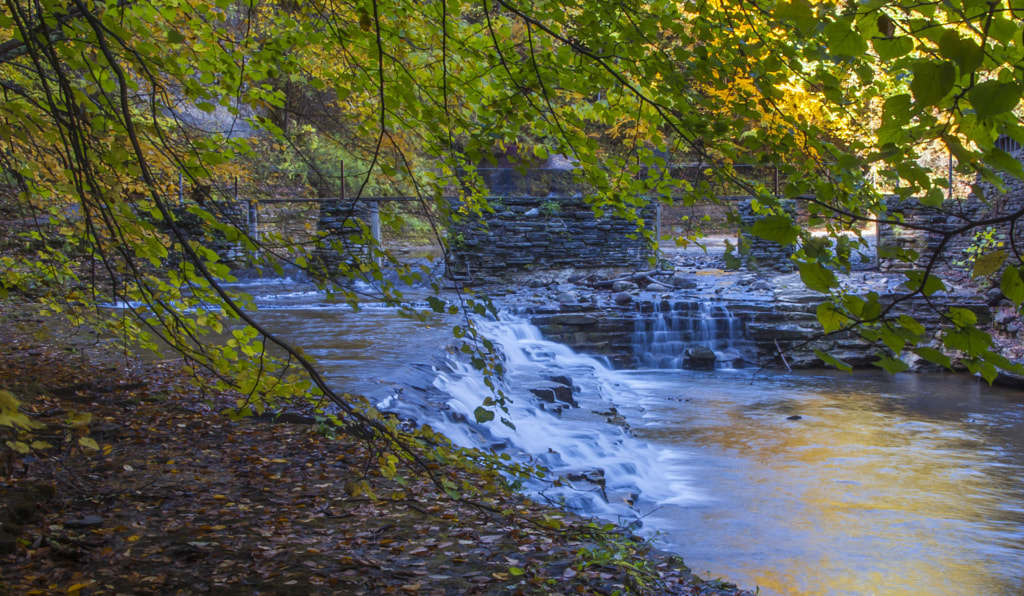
900, 485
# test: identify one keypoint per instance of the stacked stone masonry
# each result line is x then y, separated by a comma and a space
760, 254
950, 216
539, 233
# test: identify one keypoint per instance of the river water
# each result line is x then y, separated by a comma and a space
906, 484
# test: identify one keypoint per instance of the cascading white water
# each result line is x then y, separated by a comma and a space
609, 470
684, 333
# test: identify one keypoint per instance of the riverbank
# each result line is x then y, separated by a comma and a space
180, 500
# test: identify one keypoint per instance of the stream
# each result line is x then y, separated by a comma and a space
905, 484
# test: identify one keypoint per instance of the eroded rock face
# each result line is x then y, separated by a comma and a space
780, 326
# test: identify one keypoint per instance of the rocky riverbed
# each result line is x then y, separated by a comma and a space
597, 312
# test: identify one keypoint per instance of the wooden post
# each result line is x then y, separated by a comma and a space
657, 222
951, 175
253, 218
375, 229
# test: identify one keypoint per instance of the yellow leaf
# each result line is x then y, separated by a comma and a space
79, 419
8, 401
88, 443
134, 538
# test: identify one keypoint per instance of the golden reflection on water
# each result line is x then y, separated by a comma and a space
863, 495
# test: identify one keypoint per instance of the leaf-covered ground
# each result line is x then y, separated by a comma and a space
180, 500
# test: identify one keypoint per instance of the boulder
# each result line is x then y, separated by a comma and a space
624, 286
567, 297
623, 298
682, 282
700, 358
993, 296
1005, 316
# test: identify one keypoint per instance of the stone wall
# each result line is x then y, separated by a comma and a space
951, 215
194, 228
539, 233
344, 223
760, 254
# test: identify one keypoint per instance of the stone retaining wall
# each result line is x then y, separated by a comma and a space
344, 223
760, 254
538, 233
952, 214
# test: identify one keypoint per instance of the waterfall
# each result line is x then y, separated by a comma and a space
689, 334
569, 413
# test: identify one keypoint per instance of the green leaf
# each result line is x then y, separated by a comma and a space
934, 356
911, 325
1012, 285
482, 414
88, 443
817, 278
988, 264
436, 304
961, 317
897, 108
992, 98
833, 361
966, 53
777, 228
798, 12
1003, 29
968, 340
175, 36
1002, 160
928, 286
830, 318
891, 339
932, 81
890, 49
843, 40
892, 365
